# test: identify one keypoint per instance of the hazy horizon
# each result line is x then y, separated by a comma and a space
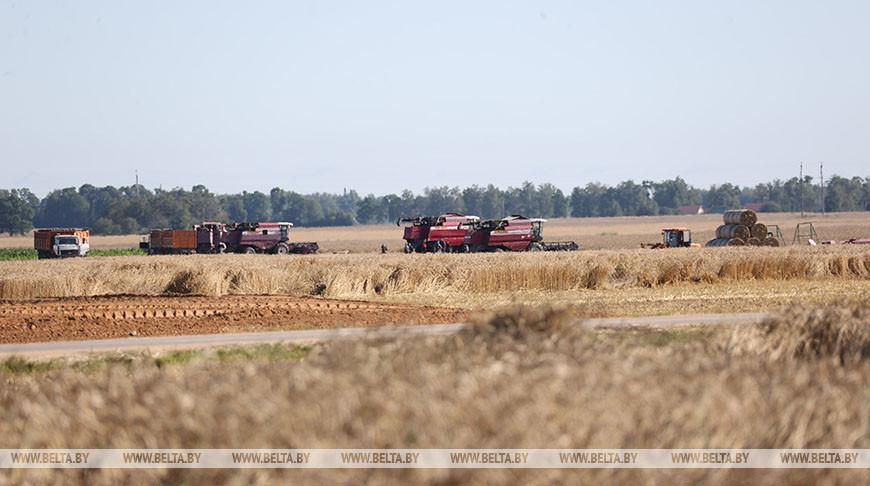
384, 96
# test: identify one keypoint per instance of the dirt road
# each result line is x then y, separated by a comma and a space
84, 318
155, 344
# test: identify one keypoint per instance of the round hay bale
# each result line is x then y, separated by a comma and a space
746, 217
733, 231
736, 242
770, 241
753, 241
717, 242
759, 230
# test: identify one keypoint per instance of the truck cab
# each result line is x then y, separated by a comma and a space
70, 245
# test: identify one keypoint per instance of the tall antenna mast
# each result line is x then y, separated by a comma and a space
821, 188
802, 189
136, 190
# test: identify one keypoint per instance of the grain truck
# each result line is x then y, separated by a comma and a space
61, 242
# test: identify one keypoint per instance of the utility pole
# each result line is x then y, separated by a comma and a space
821, 189
802, 189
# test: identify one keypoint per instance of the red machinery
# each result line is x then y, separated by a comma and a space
212, 237
516, 233
449, 232
264, 238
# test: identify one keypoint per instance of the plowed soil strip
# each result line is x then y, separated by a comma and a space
84, 318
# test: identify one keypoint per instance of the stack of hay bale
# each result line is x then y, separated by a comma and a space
742, 228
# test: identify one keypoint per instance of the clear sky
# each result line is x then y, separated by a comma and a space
385, 95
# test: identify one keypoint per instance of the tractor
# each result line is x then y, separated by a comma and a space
673, 238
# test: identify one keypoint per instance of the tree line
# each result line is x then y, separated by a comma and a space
135, 209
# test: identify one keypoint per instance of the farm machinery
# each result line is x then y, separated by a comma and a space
467, 234
449, 232
61, 242
213, 237
673, 238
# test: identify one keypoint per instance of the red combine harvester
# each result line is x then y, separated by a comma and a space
449, 232
211, 237
264, 238
516, 233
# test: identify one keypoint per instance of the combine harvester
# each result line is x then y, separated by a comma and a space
448, 233
456, 233
211, 237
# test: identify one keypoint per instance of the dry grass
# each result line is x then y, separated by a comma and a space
518, 381
838, 331
390, 276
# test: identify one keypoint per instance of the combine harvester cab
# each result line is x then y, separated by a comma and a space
61, 242
448, 233
516, 233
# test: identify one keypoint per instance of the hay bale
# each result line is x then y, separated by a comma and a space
719, 242
746, 217
753, 241
759, 230
733, 231
770, 241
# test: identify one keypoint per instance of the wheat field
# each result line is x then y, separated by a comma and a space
373, 276
522, 378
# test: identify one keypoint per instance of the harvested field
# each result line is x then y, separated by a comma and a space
624, 232
123, 316
519, 380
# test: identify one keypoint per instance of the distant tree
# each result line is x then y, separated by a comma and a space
634, 199
371, 210
843, 194
493, 203
17, 208
560, 204
722, 198
257, 206
669, 195
64, 207
472, 199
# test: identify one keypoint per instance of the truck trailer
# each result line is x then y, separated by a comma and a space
214, 237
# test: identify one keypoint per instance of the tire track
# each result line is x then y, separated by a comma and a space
123, 316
